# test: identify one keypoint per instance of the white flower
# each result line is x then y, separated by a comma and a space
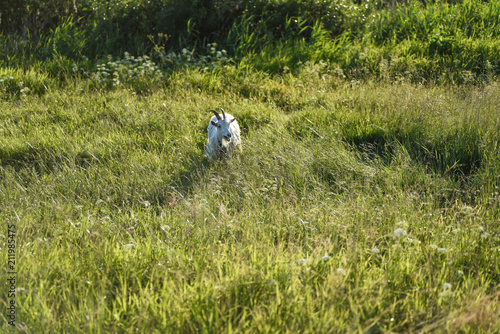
400, 232
340, 271
325, 258
375, 250
446, 290
468, 210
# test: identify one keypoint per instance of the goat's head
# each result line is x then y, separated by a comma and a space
222, 125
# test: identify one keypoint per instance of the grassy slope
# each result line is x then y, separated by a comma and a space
349, 207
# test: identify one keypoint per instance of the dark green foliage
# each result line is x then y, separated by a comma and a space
67, 39
120, 26
454, 42
31, 18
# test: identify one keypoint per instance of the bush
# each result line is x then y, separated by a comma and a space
140, 74
337, 16
120, 26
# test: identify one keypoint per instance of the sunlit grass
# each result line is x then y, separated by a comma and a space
365, 198
352, 207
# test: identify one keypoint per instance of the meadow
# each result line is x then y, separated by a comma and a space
365, 199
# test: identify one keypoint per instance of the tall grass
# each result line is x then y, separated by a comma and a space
352, 207
365, 198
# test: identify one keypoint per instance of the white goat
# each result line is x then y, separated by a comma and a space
223, 135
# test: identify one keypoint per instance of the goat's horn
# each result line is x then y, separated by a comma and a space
223, 113
216, 114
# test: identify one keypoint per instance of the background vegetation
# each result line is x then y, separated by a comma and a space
453, 42
365, 198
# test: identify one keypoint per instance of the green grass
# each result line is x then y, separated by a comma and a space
353, 207
365, 199
428, 41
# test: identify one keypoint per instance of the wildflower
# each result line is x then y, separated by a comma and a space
325, 258
468, 210
446, 290
400, 232
375, 250
340, 271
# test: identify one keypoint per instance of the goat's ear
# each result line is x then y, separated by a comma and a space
234, 119
213, 123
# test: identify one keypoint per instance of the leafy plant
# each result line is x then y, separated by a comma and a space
138, 73
66, 39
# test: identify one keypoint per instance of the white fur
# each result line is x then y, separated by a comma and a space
217, 145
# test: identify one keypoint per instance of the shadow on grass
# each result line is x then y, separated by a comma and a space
46, 159
457, 152
41, 159
454, 158
181, 182
456, 155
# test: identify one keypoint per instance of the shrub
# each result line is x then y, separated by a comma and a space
138, 73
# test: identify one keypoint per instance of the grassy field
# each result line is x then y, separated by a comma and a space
353, 207
365, 199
